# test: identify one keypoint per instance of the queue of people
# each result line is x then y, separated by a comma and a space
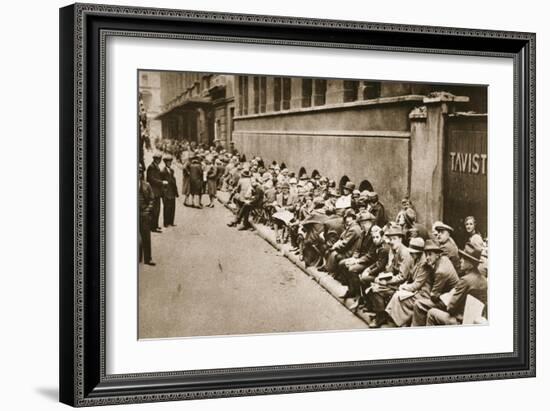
397, 269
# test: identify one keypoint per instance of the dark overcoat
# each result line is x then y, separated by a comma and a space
195, 176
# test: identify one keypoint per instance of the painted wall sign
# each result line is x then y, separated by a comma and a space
468, 163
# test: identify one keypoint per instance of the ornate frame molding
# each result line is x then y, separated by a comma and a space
82, 361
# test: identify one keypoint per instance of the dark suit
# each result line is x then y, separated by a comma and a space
472, 283
349, 243
154, 179
444, 279
196, 177
170, 193
146, 200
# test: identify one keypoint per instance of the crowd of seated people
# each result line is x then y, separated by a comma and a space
397, 270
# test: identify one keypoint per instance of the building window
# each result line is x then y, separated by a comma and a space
319, 92
263, 94
256, 86
371, 89
307, 92
277, 82
286, 93
351, 88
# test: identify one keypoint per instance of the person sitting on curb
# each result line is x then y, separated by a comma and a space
444, 279
351, 268
446, 243
386, 283
400, 307
346, 246
471, 283
254, 201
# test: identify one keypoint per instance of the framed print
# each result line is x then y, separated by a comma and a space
261, 204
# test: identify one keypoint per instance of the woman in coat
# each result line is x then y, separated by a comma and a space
195, 180
211, 182
186, 183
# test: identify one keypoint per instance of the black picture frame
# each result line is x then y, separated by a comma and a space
83, 381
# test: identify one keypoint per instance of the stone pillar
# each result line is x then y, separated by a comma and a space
250, 92
427, 155
202, 136
270, 99
296, 93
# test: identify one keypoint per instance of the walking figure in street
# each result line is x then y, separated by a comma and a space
195, 176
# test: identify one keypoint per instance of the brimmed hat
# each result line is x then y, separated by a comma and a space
245, 173
395, 230
438, 226
365, 216
416, 245
350, 213
333, 193
167, 157
430, 245
471, 253
356, 192
372, 194
293, 180
349, 186
157, 155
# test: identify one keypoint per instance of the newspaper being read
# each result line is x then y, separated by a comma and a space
446, 298
343, 202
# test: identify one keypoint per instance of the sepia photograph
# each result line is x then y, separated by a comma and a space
279, 204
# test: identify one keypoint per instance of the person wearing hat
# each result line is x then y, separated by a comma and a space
241, 192
346, 246
196, 181
377, 209
154, 178
169, 193
146, 200
471, 283
255, 200
382, 252
444, 279
446, 243
361, 258
386, 283
283, 201
401, 306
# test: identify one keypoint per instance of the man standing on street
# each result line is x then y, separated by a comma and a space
154, 179
169, 193
146, 200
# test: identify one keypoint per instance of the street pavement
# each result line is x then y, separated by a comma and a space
211, 279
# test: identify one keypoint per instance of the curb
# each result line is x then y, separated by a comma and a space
325, 280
